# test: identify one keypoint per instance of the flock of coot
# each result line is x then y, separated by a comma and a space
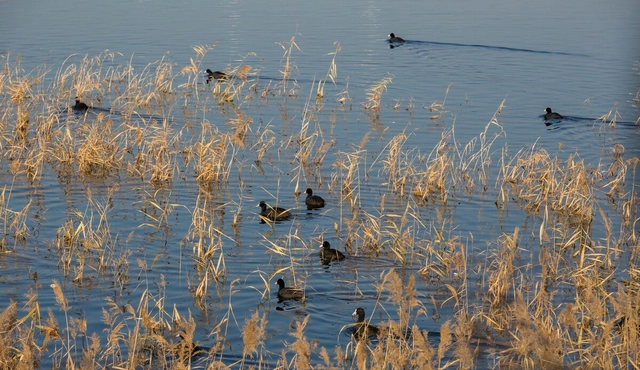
361, 329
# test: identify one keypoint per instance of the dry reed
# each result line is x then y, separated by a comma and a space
575, 306
374, 93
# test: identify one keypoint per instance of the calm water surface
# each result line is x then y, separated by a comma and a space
581, 59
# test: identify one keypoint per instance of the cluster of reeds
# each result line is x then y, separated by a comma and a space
402, 344
332, 73
86, 238
439, 108
13, 223
288, 68
448, 167
374, 93
136, 336
574, 305
207, 240
310, 149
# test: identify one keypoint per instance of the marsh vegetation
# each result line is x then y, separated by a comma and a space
157, 183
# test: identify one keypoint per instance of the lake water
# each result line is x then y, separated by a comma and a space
579, 58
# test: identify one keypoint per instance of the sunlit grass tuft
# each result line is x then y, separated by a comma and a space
374, 93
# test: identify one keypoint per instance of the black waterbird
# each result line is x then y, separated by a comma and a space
285, 293
328, 254
273, 213
313, 201
551, 115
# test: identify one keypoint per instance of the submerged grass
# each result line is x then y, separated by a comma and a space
572, 301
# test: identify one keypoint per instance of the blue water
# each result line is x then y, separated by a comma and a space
581, 59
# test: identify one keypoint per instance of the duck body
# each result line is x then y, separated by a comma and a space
185, 349
273, 213
362, 329
328, 254
80, 106
394, 38
285, 293
216, 75
549, 114
313, 201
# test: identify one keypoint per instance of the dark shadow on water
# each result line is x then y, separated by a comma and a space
64, 112
275, 80
554, 124
432, 336
491, 47
206, 361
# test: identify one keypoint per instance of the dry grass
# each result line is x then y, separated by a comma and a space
543, 185
211, 156
610, 118
13, 223
398, 165
253, 334
435, 178
332, 73
574, 306
439, 108
374, 93
288, 67
98, 151
310, 149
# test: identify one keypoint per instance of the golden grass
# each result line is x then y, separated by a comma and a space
374, 93
439, 108
332, 73
212, 164
253, 334
575, 305
13, 223
288, 67
543, 185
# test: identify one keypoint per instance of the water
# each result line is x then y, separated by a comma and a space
572, 57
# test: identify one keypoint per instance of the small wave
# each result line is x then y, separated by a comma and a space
417, 42
593, 121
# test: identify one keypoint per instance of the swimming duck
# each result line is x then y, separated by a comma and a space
273, 214
361, 328
285, 293
393, 38
217, 75
328, 254
313, 201
551, 115
80, 105
186, 348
